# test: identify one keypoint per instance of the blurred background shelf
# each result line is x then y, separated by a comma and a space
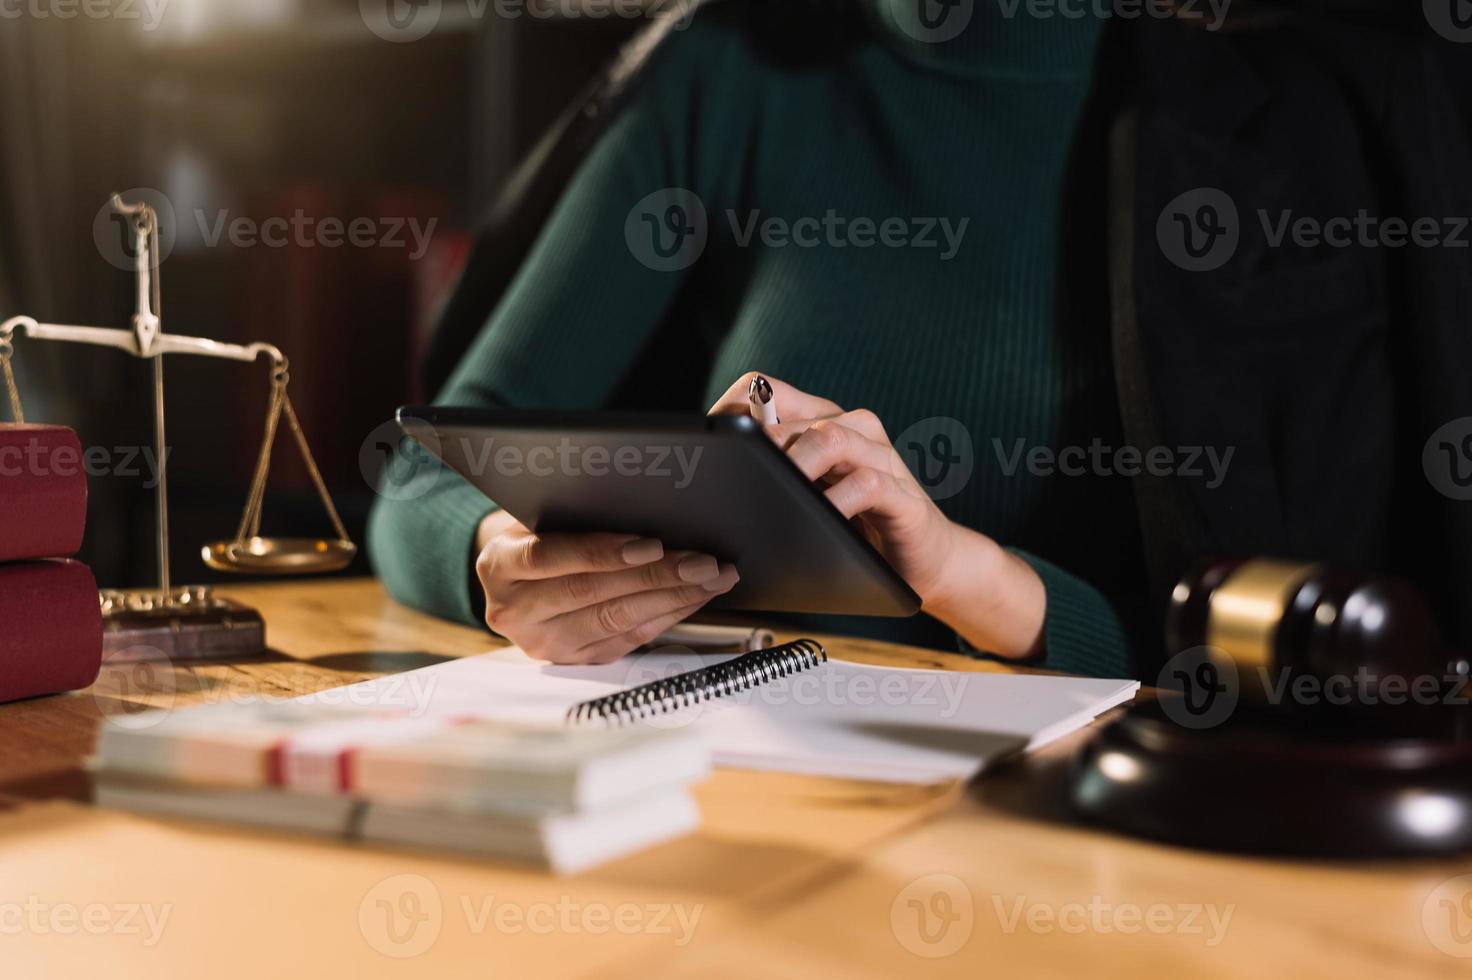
258, 110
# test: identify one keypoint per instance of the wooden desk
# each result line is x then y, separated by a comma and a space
787, 874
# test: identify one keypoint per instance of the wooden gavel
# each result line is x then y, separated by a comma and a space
1278, 624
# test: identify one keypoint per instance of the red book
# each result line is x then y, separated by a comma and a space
43, 492
50, 628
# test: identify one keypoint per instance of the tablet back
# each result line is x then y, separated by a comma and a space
714, 484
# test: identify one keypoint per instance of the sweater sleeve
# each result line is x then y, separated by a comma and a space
573, 321
1082, 632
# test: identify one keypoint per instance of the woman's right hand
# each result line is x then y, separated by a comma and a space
588, 598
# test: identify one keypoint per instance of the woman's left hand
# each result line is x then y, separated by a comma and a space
962, 577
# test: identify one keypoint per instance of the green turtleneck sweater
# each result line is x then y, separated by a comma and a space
881, 229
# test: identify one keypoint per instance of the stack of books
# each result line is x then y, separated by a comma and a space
50, 618
565, 798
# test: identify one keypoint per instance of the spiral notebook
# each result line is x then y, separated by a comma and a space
789, 709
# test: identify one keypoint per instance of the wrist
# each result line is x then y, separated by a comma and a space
491, 525
988, 595
963, 575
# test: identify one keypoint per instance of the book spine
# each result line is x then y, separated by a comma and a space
51, 638
43, 492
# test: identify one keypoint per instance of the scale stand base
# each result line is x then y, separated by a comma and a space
189, 624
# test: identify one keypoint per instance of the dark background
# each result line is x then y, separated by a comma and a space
257, 108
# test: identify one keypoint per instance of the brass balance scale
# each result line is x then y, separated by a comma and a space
191, 622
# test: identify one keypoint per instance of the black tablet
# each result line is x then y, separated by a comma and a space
713, 484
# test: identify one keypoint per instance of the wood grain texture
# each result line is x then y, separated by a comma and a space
790, 874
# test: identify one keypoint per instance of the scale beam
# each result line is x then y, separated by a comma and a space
127, 341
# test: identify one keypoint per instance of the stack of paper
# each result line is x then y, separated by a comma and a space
569, 799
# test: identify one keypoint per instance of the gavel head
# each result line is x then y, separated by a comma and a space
1278, 621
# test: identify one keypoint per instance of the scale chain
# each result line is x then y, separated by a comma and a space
10, 389
250, 519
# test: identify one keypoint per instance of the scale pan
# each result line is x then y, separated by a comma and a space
279, 555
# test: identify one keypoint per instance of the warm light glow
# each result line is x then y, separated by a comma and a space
1429, 814
1119, 767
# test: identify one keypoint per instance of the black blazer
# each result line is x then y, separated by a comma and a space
1338, 376
1338, 365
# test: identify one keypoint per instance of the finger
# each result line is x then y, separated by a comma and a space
618, 616
828, 446
543, 599
875, 493
607, 651
791, 402
544, 556
862, 421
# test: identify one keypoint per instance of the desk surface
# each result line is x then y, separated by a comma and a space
788, 874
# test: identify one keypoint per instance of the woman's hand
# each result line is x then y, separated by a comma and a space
963, 578
588, 598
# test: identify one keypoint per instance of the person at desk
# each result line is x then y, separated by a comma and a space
996, 300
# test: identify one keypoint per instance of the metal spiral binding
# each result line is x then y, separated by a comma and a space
707, 684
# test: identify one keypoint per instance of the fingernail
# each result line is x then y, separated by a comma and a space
698, 568
643, 551
725, 581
